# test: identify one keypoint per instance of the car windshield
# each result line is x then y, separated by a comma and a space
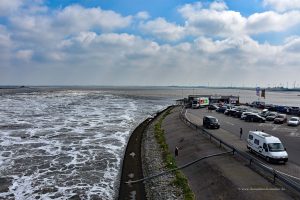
213, 120
275, 147
272, 114
293, 119
280, 116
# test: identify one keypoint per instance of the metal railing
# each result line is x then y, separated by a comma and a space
253, 162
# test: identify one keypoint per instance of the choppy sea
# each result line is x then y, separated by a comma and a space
59, 143
66, 143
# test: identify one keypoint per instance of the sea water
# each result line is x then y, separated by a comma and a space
66, 143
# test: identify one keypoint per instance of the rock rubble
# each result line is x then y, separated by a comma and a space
161, 187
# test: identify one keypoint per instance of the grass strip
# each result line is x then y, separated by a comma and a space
180, 179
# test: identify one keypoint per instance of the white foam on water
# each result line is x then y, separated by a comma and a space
66, 143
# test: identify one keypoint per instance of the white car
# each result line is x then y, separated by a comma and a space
294, 121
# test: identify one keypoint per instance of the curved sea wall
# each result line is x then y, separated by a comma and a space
143, 157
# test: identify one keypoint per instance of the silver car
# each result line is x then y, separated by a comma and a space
294, 121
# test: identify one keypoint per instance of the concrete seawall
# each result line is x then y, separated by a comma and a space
132, 167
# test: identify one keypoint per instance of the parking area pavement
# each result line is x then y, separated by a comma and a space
224, 177
229, 132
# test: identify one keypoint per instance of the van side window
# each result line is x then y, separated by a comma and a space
264, 146
256, 141
251, 137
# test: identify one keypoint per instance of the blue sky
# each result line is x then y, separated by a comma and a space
117, 42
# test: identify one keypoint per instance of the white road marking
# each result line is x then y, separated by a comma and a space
132, 154
230, 123
131, 175
275, 127
293, 134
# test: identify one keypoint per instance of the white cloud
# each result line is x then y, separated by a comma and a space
282, 5
272, 21
163, 29
216, 20
190, 11
9, 6
218, 5
143, 15
75, 18
213, 22
5, 40
292, 45
24, 55
78, 45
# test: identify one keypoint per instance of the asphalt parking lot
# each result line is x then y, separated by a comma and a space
289, 136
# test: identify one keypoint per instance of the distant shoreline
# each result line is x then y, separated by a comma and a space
16, 87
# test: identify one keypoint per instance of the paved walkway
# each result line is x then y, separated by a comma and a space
224, 177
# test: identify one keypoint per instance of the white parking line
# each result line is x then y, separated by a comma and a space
293, 134
229, 123
276, 127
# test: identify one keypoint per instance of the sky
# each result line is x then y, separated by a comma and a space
150, 43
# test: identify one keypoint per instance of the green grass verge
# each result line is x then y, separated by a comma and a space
180, 179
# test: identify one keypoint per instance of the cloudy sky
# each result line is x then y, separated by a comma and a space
142, 42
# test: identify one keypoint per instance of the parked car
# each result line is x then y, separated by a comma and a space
212, 107
221, 109
211, 122
244, 114
254, 118
258, 104
264, 113
282, 109
271, 116
273, 108
239, 112
230, 112
293, 110
267, 146
280, 119
294, 121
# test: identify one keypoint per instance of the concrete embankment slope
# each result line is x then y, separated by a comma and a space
132, 166
226, 177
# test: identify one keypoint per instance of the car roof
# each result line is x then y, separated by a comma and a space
268, 138
282, 115
210, 117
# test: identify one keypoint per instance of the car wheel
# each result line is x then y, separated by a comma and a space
268, 159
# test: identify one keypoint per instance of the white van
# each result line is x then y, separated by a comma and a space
266, 145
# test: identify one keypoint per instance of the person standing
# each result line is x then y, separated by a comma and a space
241, 133
176, 151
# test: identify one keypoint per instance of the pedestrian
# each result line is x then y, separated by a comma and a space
241, 133
176, 151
